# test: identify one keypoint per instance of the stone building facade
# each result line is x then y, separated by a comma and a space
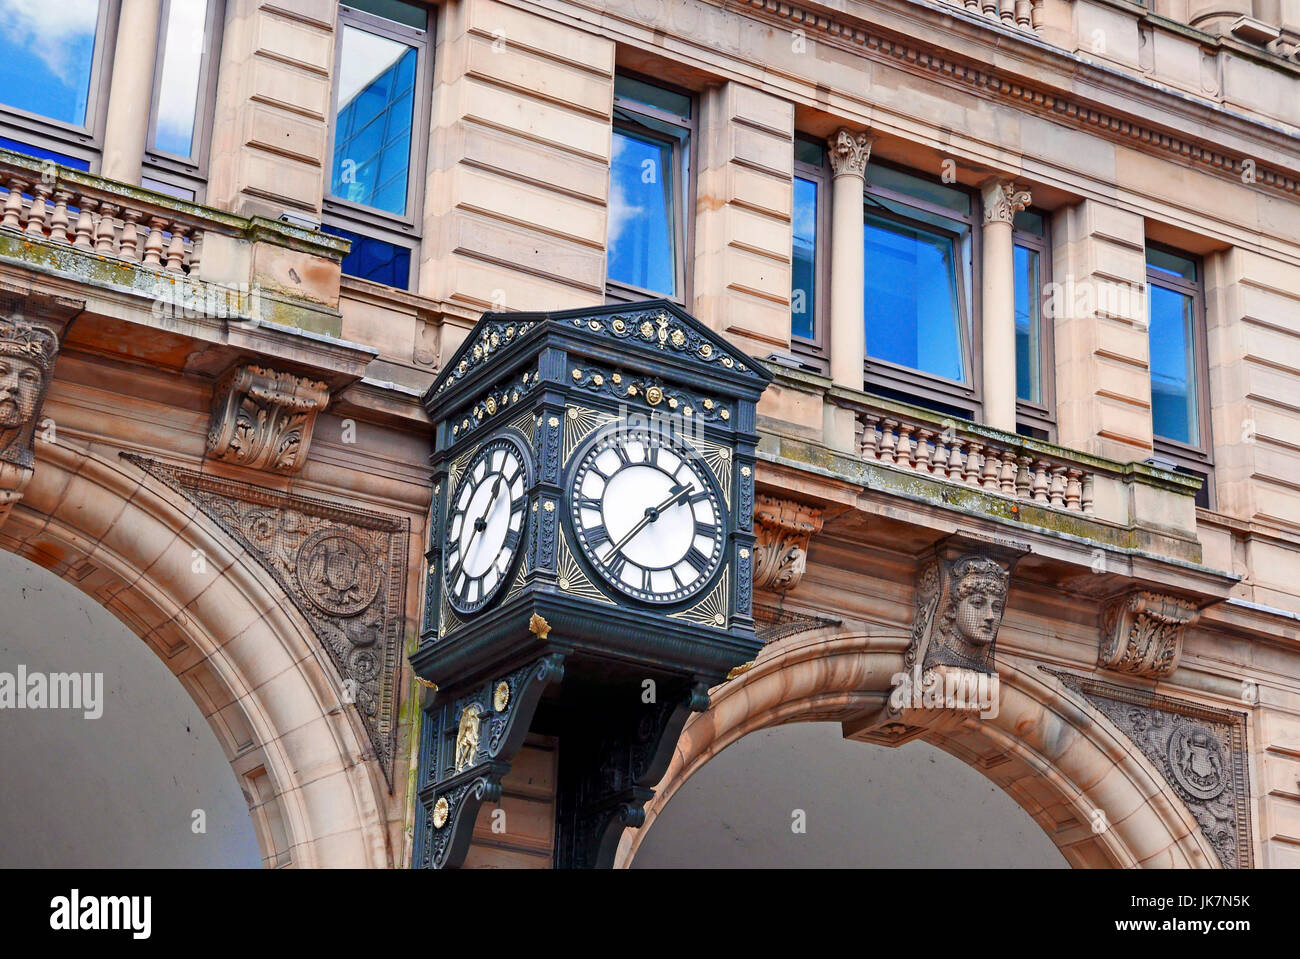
1026, 274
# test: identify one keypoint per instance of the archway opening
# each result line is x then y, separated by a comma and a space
800, 795
126, 772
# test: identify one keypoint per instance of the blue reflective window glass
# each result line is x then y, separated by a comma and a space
374, 260
641, 215
803, 295
372, 121
912, 312
178, 86
1174, 394
48, 53
1029, 382
43, 154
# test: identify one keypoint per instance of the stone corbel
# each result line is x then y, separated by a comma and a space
1142, 634
782, 529
28, 349
263, 419
948, 671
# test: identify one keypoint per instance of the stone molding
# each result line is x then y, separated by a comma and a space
1142, 634
783, 529
1073, 110
263, 419
343, 568
1003, 200
849, 151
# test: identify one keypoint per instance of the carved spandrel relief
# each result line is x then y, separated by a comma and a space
1201, 753
1142, 634
263, 419
344, 569
783, 529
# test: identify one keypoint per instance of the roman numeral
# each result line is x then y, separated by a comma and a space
704, 529
621, 452
701, 497
645, 580
586, 502
615, 565
512, 538
699, 562
596, 535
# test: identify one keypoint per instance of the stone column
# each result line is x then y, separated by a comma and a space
1001, 201
849, 152
131, 93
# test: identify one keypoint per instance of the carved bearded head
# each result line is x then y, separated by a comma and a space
27, 354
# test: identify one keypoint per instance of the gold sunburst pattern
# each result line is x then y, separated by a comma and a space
719, 460
712, 609
579, 423
457, 467
573, 579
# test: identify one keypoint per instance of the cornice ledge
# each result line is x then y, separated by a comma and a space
892, 29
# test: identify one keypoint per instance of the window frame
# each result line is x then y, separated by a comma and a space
815, 352
1042, 415
684, 180
1189, 458
927, 389
82, 142
187, 173
406, 230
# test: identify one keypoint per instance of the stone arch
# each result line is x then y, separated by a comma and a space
230, 635
1057, 756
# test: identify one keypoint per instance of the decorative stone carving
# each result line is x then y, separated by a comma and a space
1142, 634
30, 327
1003, 200
949, 671
783, 529
263, 419
1201, 752
849, 152
344, 568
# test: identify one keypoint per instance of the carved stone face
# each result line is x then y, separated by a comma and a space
20, 391
978, 613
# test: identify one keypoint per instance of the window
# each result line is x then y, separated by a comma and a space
809, 289
184, 91
1179, 367
920, 320
53, 78
379, 136
1034, 354
649, 230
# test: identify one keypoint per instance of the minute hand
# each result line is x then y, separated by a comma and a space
652, 514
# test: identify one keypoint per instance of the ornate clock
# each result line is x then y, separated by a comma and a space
591, 533
647, 515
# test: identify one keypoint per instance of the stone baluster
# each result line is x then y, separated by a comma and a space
870, 445
990, 8
196, 253
903, 451
130, 245
1024, 476
176, 249
14, 204
992, 468
1085, 499
1007, 481
1041, 475
923, 449
153, 245
1073, 488
887, 441
85, 223
106, 233
59, 219
942, 453
1024, 14
955, 459
1008, 12
36, 215
1057, 491
974, 460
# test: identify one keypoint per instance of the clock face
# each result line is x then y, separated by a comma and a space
647, 515
485, 524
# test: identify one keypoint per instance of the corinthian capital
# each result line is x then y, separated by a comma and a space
850, 150
1003, 200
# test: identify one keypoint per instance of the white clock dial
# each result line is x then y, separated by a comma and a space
485, 524
647, 516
